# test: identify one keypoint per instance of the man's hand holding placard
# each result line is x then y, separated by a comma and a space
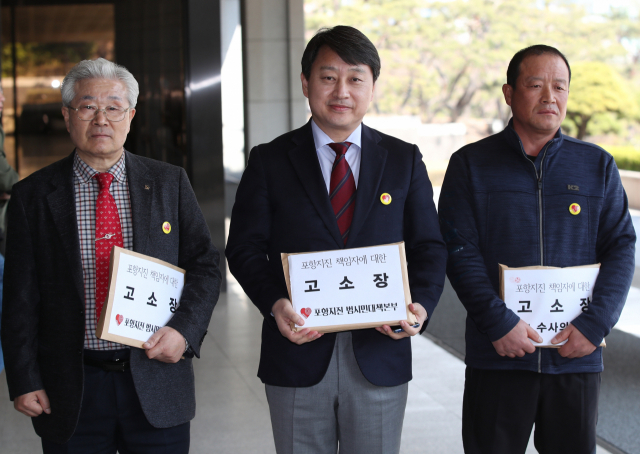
285, 316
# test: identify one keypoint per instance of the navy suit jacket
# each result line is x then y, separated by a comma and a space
43, 324
282, 205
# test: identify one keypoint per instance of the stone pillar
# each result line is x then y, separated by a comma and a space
273, 42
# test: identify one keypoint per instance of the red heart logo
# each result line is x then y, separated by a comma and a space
119, 319
306, 311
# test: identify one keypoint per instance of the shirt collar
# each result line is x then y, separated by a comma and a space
513, 139
86, 173
321, 139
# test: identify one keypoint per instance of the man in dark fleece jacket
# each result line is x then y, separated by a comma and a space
505, 199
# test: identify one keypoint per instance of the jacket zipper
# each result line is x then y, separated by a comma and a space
539, 178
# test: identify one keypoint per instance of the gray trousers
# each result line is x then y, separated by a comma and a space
343, 411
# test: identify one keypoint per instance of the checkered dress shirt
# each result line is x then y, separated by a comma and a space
86, 190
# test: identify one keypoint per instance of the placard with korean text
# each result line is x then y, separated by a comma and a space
349, 288
144, 293
548, 298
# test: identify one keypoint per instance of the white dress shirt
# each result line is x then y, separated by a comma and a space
326, 156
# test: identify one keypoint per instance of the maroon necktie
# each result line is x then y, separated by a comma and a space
342, 189
108, 234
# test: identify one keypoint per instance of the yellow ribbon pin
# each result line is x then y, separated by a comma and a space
166, 227
574, 209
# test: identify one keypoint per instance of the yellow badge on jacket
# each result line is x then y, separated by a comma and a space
385, 199
166, 227
574, 209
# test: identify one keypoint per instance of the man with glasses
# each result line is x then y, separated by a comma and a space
87, 395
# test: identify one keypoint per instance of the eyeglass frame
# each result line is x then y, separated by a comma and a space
98, 111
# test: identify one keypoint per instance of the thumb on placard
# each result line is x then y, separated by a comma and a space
153, 340
295, 318
415, 308
533, 334
290, 313
562, 335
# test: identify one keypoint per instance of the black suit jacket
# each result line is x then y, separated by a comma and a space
43, 323
282, 205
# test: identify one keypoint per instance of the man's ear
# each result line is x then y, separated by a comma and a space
65, 114
507, 91
305, 85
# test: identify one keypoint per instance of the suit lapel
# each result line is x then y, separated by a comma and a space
305, 162
141, 187
62, 206
372, 163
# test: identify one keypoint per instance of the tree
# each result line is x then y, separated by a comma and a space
46, 59
597, 90
446, 58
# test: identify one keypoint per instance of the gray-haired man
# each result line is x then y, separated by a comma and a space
87, 395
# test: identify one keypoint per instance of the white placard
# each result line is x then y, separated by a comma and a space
549, 299
350, 288
144, 293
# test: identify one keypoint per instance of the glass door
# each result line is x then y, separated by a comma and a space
39, 46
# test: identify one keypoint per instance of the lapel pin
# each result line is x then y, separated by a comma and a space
166, 227
146, 186
574, 209
385, 199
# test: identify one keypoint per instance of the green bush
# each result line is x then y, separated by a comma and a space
627, 157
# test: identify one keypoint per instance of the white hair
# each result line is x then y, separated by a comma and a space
98, 69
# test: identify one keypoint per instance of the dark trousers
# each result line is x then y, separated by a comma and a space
501, 407
111, 418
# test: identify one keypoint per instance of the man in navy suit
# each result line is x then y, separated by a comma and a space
87, 395
348, 388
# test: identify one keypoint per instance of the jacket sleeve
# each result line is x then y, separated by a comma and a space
21, 303
615, 251
249, 233
426, 252
200, 259
466, 268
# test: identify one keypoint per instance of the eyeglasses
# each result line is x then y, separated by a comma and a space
89, 112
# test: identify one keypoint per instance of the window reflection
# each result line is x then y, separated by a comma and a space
44, 42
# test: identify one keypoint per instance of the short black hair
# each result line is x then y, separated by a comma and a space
513, 71
349, 43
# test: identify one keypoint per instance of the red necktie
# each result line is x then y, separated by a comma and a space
108, 234
342, 189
